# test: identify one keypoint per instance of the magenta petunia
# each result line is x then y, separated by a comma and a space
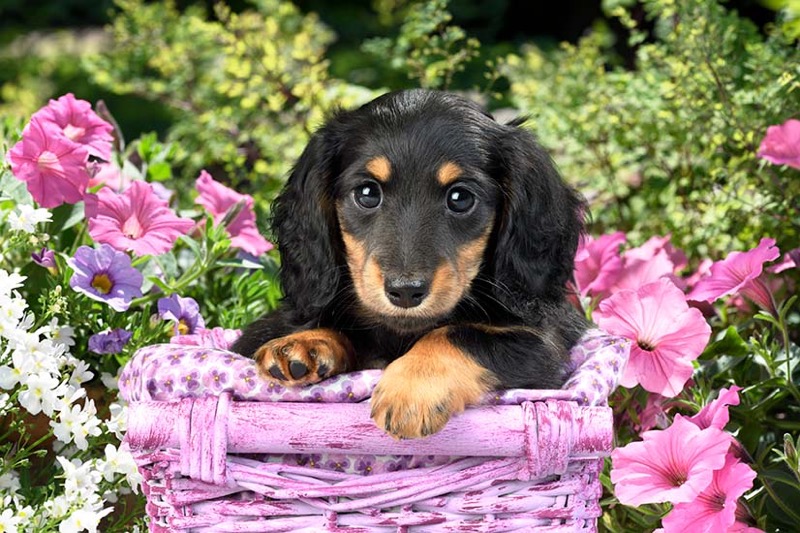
738, 272
218, 200
136, 220
52, 167
714, 509
781, 144
598, 264
673, 465
667, 335
80, 124
105, 275
715, 413
790, 259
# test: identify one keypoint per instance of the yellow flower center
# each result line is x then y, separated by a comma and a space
102, 283
183, 327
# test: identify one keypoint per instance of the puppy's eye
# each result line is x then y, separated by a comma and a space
460, 200
368, 195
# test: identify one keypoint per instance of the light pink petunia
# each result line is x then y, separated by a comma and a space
790, 259
739, 272
673, 465
109, 175
52, 167
136, 220
654, 245
715, 413
80, 124
715, 507
781, 144
598, 263
667, 335
219, 200
639, 271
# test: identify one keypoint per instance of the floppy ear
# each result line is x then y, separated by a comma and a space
303, 219
539, 224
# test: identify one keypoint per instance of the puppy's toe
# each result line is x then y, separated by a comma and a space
305, 357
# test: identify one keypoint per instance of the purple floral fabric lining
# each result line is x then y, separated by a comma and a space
167, 372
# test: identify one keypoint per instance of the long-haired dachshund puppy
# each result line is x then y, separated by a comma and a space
419, 233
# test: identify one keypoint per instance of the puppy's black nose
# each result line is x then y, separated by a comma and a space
406, 292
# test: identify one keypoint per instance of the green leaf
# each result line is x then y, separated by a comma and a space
65, 216
730, 344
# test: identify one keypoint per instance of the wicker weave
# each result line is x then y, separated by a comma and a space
212, 463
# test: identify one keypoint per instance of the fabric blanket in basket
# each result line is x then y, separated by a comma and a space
166, 377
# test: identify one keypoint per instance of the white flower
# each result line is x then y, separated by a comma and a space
9, 483
41, 394
60, 335
83, 520
27, 218
9, 522
117, 423
9, 282
80, 479
120, 461
80, 374
76, 423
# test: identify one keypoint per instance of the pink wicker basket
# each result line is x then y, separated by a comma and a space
221, 450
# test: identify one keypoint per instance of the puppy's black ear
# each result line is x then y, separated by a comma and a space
539, 224
304, 222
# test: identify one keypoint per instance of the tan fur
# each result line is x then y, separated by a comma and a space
314, 348
420, 391
448, 173
380, 168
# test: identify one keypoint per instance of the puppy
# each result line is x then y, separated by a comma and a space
419, 233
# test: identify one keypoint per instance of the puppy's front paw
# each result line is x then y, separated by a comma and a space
420, 391
305, 357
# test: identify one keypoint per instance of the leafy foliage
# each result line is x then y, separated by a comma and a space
670, 145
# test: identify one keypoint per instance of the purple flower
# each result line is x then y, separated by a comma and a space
183, 311
338, 463
45, 258
105, 275
191, 381
365, 464
110, 342
249, 378
216, 380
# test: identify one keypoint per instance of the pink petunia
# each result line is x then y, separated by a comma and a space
673, 465
790, 259
781, 144
715, 413
667, 335
52, 167
598, 263
656, 244
739, 272
639, 271
136, 220
715, 507
79, 124
218, 200
109, 175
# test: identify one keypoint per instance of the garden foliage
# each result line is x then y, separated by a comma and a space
689, 157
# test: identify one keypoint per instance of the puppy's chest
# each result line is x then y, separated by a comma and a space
376, 348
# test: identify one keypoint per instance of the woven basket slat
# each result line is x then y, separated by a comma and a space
283, 462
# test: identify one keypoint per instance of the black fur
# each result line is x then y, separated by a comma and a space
514, 318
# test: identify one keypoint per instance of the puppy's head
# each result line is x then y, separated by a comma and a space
413, 196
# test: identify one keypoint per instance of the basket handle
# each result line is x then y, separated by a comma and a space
547, 434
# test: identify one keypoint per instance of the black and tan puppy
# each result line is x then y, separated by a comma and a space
418, 232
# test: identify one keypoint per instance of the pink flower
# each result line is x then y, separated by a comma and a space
668, 335
218, 200
715, 507
739, 272
80, 124
781, 145
109, 175
656, 244
135, 220
703, 270
639, 271
598, 263
715, 413
654, 413
673, 465
790, 259
52, 167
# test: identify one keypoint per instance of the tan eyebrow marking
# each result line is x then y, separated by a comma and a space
448, 173
380, 167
